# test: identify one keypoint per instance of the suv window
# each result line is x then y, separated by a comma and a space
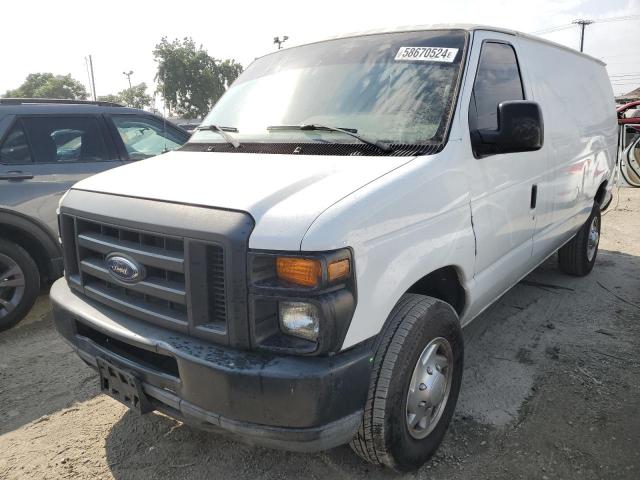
497, 80
66, 139
144, 137
15, 148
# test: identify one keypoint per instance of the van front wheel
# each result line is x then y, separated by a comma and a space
579, 255
415, 380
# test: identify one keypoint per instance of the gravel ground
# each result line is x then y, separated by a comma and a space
551, 390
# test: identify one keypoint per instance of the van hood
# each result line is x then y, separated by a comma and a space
283, 193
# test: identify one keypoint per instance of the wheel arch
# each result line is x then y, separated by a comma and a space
601, 194
444, 284
36, 239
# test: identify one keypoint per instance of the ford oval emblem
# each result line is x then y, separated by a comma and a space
124, 268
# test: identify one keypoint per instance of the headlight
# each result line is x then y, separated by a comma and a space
301, 302
300, 319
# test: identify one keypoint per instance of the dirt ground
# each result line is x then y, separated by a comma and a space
551, 390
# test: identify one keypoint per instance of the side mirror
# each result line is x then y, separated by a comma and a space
520, 129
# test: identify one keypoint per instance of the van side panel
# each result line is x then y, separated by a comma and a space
500, 187
401, 227
580, 129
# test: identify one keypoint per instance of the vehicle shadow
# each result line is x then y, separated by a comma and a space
507, 349
39, 373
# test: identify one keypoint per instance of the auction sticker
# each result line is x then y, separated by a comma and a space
426, 54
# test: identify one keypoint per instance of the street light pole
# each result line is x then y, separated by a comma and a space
93, 79
582, 23
280, 41
128, 75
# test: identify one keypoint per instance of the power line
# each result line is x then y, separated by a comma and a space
603, 20
627, 54
623, 63
552, 29
636, 75
618, 19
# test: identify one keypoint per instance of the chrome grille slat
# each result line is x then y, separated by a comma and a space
148, 255
157, 287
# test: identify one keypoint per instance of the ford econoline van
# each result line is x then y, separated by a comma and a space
300, 272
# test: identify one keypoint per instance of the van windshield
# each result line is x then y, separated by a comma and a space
396, 88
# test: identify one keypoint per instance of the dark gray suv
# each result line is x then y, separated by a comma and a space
45, 147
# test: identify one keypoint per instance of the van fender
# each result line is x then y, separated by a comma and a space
405, 225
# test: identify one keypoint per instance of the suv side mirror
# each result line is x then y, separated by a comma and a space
520, 129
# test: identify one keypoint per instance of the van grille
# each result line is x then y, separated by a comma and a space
161, 297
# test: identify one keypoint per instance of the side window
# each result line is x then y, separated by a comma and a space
15, 148
144, 138
66, 139
497, 80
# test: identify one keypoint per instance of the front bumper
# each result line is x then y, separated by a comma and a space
289, 402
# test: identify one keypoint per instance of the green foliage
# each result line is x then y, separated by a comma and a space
48, 85
110, 98
189, 80
135, 97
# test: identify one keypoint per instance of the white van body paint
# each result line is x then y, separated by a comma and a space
405, 217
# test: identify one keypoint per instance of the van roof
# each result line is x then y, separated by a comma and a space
459, 26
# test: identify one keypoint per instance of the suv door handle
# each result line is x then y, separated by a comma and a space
16, 175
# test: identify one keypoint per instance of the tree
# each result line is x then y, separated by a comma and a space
189, 80
48, 85
113, 98
135, 97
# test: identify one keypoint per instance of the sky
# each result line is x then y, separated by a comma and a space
120, 35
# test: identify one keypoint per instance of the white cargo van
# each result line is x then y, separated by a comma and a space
299, 273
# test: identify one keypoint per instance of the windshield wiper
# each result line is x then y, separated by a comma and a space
223, 132
352, 132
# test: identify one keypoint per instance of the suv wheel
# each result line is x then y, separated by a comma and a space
579, 255
19, 283
415, 381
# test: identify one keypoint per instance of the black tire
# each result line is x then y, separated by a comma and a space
383, 437
14, 308
573, 257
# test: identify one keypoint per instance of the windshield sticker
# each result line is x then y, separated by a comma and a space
426, 54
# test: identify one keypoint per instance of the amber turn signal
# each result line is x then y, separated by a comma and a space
301, 271
339, 270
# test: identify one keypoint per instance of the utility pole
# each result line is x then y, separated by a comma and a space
583, 23
93, 79
280, 41
128, 75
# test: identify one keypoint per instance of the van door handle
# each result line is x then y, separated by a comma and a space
16, 175
534, 196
